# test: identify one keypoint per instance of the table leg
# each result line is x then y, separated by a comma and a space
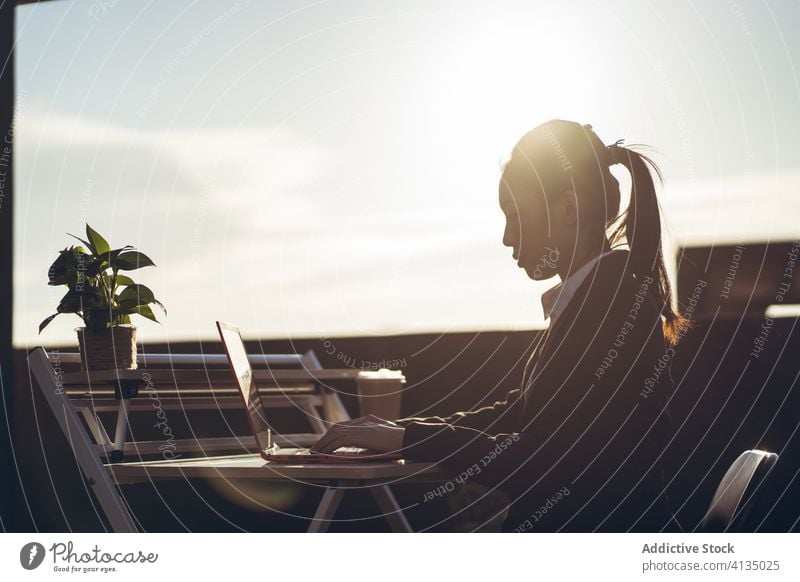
391, 510
120, 433
326, 510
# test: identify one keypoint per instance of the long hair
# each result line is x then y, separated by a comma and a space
559, 154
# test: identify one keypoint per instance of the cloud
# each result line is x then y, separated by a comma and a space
263, 227
243, 166
175, 194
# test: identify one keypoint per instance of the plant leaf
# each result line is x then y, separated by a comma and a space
113, 254
63, 269
123, 280
46, 321
92, 266
70, 303
130, 260
145, 311
87, 243
88, 298
161, 305
134, 295
99, 244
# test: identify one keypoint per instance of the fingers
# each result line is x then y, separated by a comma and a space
334, 435
360, 432
327, 447
326, 439
340, 435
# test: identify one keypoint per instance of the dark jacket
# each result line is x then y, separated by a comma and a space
579, 451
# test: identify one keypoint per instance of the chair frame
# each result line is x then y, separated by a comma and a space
95, 473
738, 491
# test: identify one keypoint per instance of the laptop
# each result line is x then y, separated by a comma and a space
262, 431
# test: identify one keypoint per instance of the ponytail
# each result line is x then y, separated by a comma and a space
640, 226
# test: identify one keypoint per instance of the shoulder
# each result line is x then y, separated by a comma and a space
615, 264
611, 291
610, 279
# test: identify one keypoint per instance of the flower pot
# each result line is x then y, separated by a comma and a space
111, 349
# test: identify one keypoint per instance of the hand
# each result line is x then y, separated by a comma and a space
369, 432
368, 419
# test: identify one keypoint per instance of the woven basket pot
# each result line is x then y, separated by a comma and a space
111, 349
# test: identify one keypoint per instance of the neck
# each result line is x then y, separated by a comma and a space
580, 257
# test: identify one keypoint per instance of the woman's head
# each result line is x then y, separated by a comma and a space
561, 204
558, 195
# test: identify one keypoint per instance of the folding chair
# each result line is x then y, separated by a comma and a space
732, 507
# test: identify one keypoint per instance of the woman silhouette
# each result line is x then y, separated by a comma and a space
577, 447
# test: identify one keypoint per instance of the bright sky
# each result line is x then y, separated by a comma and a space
330, 168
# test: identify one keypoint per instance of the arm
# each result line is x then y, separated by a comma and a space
484, 418
378, 434
576, 418
502, 416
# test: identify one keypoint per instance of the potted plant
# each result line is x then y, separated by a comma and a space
104, 298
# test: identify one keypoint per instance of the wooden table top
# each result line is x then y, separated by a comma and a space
211, 375
253, 466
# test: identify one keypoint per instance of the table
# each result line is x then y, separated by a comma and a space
207, 389
337, 478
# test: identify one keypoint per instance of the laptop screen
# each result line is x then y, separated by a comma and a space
237, 356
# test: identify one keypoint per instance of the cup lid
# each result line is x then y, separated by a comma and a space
382, 374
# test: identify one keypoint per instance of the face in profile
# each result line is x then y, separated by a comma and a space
528, 230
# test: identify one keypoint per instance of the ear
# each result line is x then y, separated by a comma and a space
569, 207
